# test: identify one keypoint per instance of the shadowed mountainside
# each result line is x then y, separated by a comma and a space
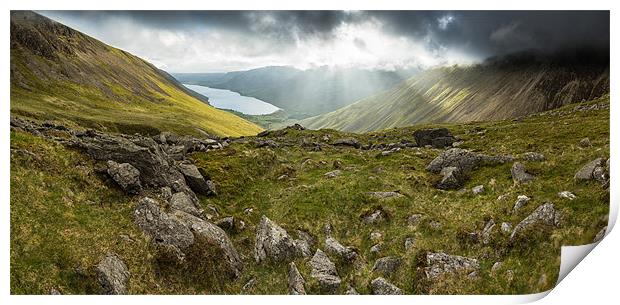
500, 88
58, 73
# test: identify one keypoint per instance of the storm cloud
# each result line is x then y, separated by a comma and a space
208, 41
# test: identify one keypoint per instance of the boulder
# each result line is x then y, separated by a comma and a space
324, 271
487, 231
375, 249
479, 189
381, 286
112, 275
506, 227
195, 180
333, 174
594, 170
439, 264
414, 219
436, 137
387, 265
567, 195
266, 143
585, 142
336, 248
409, 243
182, 202
226, 223
164, 229
519, 175
273, 243
215, 237
351, 290
545, 214
375, 217
295, 281
125, 175
347, 142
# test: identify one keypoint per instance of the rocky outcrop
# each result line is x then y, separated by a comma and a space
545, 214
112, 275
163, 228
324, 271
381, 286
273, 243
436, 137
455, 164
451, 178
126, 176
295, 281
439, 264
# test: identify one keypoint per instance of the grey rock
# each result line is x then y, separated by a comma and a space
55, 291
333, 174
347, 142
544, 214
126, 176
452, 177
585, 142
487, 231
595, 170
533, 156
336, 248
387, 265
182, 202
247, 287
506, 227
479, 189
375, 249
112, 275
434, 224
409, 243
414, 220
436, 137
567, 195
324, 271
383, 195
522, 200
215, 237
163, 228
195, 180
375, 236
273, 243
226, 223
375, 217
165, 193
296, 282
496, 267
519, 175
439, 264
465, 160
381, 286
266, 143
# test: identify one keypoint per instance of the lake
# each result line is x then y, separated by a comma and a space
226, 99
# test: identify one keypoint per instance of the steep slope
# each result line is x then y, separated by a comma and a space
302, 93
498, 89
58, 73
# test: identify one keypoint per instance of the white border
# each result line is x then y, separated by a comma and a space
594, 280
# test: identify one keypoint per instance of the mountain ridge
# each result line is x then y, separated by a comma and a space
58, 73
497, 89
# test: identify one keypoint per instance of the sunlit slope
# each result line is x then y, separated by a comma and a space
58, 73
496, 90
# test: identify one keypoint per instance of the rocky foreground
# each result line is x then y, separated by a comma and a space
188, 233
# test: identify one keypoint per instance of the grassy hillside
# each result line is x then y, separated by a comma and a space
65, 217
58, 73
498, 89
302, 93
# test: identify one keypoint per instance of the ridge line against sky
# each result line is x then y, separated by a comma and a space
222, 41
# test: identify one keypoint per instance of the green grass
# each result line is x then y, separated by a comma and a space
52, 231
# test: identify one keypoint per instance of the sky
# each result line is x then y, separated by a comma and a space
222, 41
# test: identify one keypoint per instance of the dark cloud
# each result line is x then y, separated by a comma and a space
269, 34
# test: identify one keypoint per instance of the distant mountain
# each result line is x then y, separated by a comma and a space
58, 73
500, 88
302, 93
